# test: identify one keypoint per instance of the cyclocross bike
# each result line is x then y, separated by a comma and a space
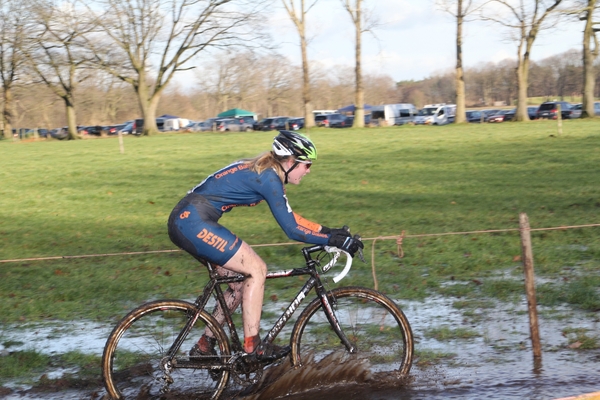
147, 352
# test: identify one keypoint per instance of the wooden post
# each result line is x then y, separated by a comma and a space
121, 146
527, 256
559, 118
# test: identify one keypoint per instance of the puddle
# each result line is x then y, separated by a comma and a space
497, 363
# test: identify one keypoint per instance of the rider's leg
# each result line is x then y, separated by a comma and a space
247, 262
232, 296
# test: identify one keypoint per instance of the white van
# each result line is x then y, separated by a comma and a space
436, 114
394, 114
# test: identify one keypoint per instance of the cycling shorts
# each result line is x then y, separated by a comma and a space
194, 228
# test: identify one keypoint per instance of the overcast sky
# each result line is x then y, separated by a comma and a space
414, 41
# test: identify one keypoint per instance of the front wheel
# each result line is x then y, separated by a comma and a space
376, 327
135, 362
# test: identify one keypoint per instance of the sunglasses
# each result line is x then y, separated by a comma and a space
307, 163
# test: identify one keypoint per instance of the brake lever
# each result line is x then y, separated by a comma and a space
360, 255
360, 250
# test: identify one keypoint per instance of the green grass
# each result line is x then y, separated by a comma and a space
84, 197
28, 365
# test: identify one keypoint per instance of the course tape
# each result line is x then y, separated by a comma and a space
398, 239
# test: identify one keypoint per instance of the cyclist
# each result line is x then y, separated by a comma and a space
194, 227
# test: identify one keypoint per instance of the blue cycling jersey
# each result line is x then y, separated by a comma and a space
193, 222
237, 185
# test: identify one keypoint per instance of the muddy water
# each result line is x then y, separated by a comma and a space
496, 364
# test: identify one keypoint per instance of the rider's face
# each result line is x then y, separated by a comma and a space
296, 175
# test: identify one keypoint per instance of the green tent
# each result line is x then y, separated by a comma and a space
236, 112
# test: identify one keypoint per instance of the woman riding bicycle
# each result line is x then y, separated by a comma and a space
193, 226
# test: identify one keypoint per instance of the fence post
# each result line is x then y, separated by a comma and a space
527, 256
121, 145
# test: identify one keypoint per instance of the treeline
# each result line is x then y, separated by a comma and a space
556, 77
267, 84
270, 87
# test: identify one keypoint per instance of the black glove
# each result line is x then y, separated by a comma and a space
335, 231
344, 241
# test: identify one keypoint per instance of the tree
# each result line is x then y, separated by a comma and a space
354, 9
146, 42
299, 19
524, 19
12, 34
460, 10
590, 53
55, 50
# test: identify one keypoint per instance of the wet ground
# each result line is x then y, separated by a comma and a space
495, 362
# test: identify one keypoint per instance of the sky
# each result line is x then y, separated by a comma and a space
415, 40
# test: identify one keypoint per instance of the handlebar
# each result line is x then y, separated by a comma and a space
336, 252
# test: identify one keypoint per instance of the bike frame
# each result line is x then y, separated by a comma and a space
214, 286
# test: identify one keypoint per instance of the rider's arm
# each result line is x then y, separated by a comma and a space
295, 226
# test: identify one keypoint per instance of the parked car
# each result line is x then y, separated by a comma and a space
497, 116
329, 119
114, 129
436, 114
233, 125
321, 120
200, 126
272, 123
295, 123
127, 129
473, 116
597, 108
532, 111
509, 115
489, 113
343, 122
573, 112
221, 124
247, 123
549, 109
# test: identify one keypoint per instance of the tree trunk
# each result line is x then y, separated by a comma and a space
359, 101
460, 79
522, 81
71, 119
148, 105
309, 118
7, 114
589, 78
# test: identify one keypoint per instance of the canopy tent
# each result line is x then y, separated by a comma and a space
351, 109
236, 112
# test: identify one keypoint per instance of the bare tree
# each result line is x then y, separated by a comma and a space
524, 19
460, 10
55, 51
585, 9
299, 19
12, 34
354, 9
146, 42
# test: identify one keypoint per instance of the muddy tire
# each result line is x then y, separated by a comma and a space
372, 321
138, 345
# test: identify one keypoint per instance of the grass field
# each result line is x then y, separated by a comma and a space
84, 197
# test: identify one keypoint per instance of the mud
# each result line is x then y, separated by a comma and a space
495, 364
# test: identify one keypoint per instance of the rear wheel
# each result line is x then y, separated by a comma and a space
377, 328
135, 363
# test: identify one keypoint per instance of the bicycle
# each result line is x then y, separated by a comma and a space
147, 351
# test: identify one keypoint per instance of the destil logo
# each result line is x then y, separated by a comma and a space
212, 240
